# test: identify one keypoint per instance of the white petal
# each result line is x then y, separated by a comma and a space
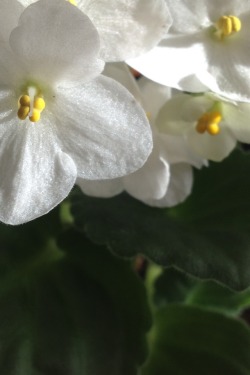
237, 118
10, 70
151, 181
173, 64
103, 128
227, 72
101, 188
154, 96
56, 41
190, 15
181, 112
176, 150
35, 174
121, 73
211, 147
179, 188
127, 28
10, 11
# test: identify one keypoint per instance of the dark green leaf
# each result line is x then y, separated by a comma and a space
207, 236
175, 286
187, 340
79, 311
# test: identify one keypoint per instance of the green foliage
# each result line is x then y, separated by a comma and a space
174, 286
208, 236
71, 309
188, 340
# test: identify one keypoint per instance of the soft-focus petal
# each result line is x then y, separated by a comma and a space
173, 65
127, 28
176, 150
151, 181
211, 147
121, 73
56, 41
10, 11
101, 188
35, 174
181, 112
103, 128
154, 96
237, 118
179, 188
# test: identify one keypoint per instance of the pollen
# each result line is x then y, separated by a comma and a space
228, 25
209, 122
73, 2
30, 105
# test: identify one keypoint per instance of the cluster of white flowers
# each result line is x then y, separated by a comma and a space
66, 117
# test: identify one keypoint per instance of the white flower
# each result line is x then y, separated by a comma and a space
89, 128
166, 178
207, 45
210, 125
126, 28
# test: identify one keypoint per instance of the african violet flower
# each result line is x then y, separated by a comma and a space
208, 44
166, 178
59, 120
210, 124
126, 28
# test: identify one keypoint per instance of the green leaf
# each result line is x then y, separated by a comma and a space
173, 286
79, 311
208, 236
187, 340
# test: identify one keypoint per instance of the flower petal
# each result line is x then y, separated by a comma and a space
154, 96
56, 41
173, 64
35, 174
237, 118
103, 128
151, 181
211, 147
179, 188
101, 188
10, 11
176, 150
127, 28
121, 73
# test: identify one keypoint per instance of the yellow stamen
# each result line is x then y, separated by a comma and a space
73, 2
209, 122
30, 105
228, 25
213, 128
36, 114
39, 103
23, 112
24, 100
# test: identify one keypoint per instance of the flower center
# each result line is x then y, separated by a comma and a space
227, 26
30, 104
209, 122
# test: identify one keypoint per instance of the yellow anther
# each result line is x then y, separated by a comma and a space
213, 128
73, 2
209, 122
215, 117
36, 114
228, 25
149, 115
24, 100
31, 104
23, 112
39, 103
201, 127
